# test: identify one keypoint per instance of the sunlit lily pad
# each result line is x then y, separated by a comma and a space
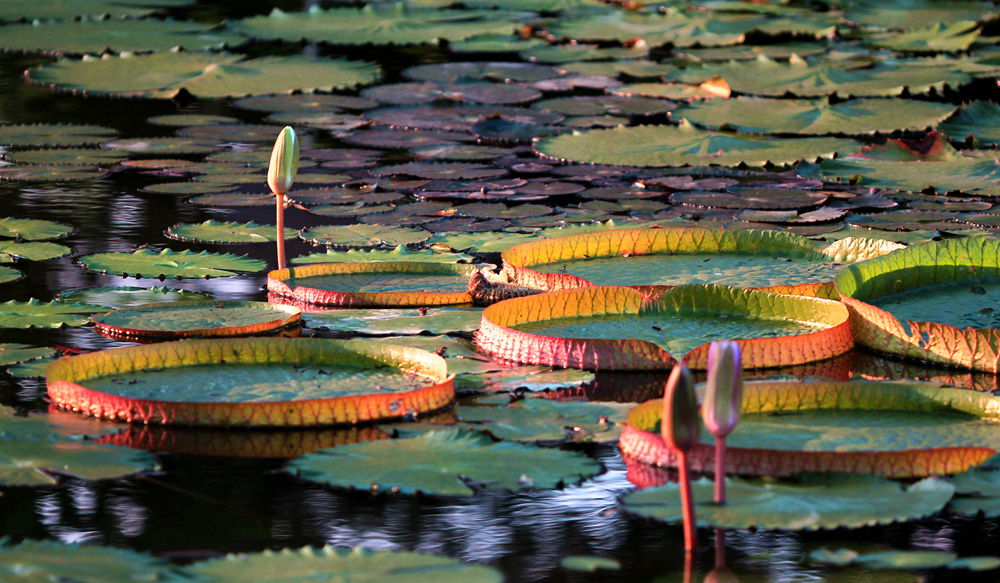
205, 75
363, 235
36, 314
267, 382
747, 52
445, 462
8, 274
617, 328
400, 253
373, 24
32, 9
980, 119
197, 319
399, 321
809, 502
374, 284
686, 145
34, 250
330, 563
674, 27
96, 36
32, 561
226, 232
169, 263
53, 135
14, 353
821, 117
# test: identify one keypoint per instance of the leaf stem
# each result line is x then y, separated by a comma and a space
687, 504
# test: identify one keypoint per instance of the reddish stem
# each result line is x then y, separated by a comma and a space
280, 219
687, 504
720, 470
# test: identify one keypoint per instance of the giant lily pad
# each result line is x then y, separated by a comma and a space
36, 561
169, 263
685, 145
195, 319
373, 24
330, 564
809, 502
205, 75
96, 36
900, 430
617, 328
445, 462
816, 117
396, 321
227, 232
955, 280
267, 382
36, 314
375, 284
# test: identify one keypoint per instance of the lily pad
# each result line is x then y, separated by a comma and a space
809, 502
685, 145
121, 297
14, 353
980, 119
617, 328
185, 319
363, 235
226, 232
492, 377
32, 9
36, 314
96, 36
383, 322
910, 14
169, 263
481, 70
8, 274
329, 563
446, 463
54, 135
396, 24
938, 37
536, 419
32, 560
65, 157
165, 75
269, 382
33, 251
400, 253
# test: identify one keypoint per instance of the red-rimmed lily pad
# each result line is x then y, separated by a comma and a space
899, 430
268, 382
955, 280
212, 231
169, 263
617, 328
445, 462
375, 284
193, 319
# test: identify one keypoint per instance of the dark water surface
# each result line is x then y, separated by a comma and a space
203, 506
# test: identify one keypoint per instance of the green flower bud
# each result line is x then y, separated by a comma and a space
284, 162
679, 426
724, 392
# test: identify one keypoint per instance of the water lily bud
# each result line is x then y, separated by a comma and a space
680, 427
724, 392
284, 161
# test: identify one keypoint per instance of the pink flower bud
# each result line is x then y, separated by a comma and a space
679, 426
724, 391
284, 162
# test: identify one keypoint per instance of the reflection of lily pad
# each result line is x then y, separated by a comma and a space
169, 263
205, 75
809, 502
120, 297
444, 462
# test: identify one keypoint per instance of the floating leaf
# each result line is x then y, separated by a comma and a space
938, 37
364, 235
96, 36
13, 353
34, 251
329, 563
980, 119
910, 14
226, 232
165, 75
169, 263
492, 379
481, 70
617, 328
810, 502
120, 297
589, 564
816, 117
8, 274
195, 319
36, 314
674, 27
400, 253
380, 322
444, 463
32, 9
54, 135
685, 145
171, 146
65, 157
268, 382
546, 420
32, 561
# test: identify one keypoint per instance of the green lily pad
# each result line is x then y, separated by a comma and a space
589, 564
396, 321
910, 14
444, 463
33, 251
893, 559
125, 296
400, 253
195, 318
54, 135
807, 502
32, 9
452, 348
8, 274
493, 43
96, 36
674, 27
547, 420
566, 53
486, 242
164, 75
980, 119
364, 235
938, 37
329, 564
747, 52
212, 231
13, 353
65, 157
493, 378
190, 119
373, 24
816, 117
975, 563
32, 368
36, 314
37, 561
161, 146
169, 263
685, 146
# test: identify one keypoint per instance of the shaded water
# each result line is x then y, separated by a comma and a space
202, 506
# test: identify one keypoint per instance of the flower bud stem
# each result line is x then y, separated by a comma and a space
687, 504
280, 220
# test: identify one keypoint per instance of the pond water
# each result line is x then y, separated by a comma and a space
198, 506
